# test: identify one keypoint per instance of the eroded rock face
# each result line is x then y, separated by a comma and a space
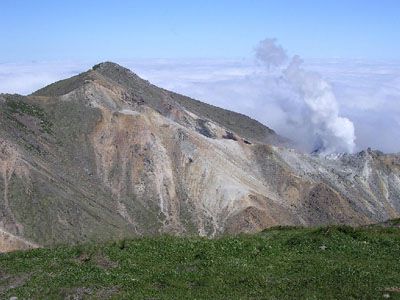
11, 166
107, 155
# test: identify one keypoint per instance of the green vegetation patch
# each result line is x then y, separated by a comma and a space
282, 263
18, 106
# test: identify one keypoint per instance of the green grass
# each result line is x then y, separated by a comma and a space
280, 263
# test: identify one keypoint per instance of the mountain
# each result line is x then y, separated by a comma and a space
106, 155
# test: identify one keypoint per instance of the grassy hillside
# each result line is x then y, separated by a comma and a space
280, 263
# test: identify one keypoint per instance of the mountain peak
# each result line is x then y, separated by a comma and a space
107, 69
111, 67
117, 73
160, 99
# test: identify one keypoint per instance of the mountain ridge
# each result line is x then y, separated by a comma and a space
122, 157
119, 75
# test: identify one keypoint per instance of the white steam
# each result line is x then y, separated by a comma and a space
270, 53
317, 111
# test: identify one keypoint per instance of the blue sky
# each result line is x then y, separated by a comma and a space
108, 30
206, 50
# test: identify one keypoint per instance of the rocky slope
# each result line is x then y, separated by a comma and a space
107, 155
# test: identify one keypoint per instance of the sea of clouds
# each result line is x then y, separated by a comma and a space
329, 105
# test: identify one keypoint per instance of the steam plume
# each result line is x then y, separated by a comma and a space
270, 53
319, 111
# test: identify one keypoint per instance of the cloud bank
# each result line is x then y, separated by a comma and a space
367, 92
25, 78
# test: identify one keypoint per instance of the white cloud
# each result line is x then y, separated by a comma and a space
24, 78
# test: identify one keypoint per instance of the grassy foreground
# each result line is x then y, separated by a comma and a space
280, 263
